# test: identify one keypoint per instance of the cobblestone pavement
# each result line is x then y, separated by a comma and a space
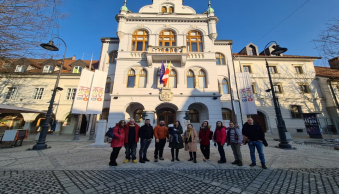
79, 167
171, 181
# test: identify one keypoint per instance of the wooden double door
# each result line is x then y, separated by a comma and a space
167, 115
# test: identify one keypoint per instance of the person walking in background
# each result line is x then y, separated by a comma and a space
146, 136
255, 137
117, 142
204, 137
191, 137
160, 134
131, 140
220, 139
234, 138
175, 139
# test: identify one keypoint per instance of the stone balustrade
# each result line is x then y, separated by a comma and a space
167, 49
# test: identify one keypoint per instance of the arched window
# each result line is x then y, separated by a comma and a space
131, 78
138, 115
113, 56
226, 114
194, 41
104, 114
142, 79
173, 79
224, 84
202, 79
194, 114
139, 40
167, 38
171, 10
253, 50
108, 85
164, 9
220, 59
190, 79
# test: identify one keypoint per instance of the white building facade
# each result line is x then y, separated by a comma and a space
199, 81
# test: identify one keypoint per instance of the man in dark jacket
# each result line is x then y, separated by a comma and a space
146, 136
255, 137
131, 140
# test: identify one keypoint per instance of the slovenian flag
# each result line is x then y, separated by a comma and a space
166, 75
162, 72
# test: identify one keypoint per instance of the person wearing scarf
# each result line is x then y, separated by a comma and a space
175, 139
190, 137
204, 139
131, 140
220, 139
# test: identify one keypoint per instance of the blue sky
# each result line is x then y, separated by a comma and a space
241, 21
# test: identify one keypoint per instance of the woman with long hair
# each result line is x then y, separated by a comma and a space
191, 137
204, 137
176, 143
118, 141
220, 139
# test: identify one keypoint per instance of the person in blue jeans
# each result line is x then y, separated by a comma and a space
146, 136
254, 136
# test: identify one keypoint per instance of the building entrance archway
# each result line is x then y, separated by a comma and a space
260, 118
167, 115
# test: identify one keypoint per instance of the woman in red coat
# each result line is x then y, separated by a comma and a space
117, 142
220, 139
204, 137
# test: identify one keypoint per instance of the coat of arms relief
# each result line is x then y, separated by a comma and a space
166, 94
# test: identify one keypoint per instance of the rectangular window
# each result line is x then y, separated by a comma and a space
277, 89
190, 82
254, 89
11, 93
108, 87
304, 88
142, 82
299, 70
247, 68
131, 82
202, 82
20, 69
38, 92
218, 61
77, 69
273, 69
70, 93
226, 116
47, 69
296, 112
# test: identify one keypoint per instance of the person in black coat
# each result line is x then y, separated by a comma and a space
146, 136
175, 139
254, 136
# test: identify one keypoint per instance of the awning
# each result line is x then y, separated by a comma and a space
4, 108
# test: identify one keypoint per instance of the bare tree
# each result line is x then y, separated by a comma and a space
24, 24
329, 39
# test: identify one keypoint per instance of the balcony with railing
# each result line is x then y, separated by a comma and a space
169, 53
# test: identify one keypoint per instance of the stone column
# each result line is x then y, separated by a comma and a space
180, 117
92, 128
150, 116
27, 126
58, 127
77, 126
100, 132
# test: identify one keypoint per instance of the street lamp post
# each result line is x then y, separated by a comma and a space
41, 144
280, 121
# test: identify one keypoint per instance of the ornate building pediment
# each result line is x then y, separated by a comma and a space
166, 94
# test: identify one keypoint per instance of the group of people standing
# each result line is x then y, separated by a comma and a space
128, 135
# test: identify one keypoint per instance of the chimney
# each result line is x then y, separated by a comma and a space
334, 63
73, 58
